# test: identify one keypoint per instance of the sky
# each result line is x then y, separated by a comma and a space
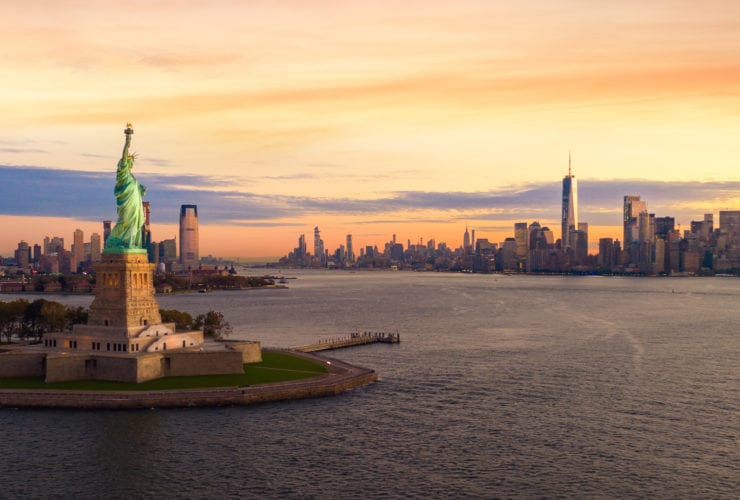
370, 118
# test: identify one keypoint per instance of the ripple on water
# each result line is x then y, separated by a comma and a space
501, 387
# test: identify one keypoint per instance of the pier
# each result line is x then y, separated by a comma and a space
351, 340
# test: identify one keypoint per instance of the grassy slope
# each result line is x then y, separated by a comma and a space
275, 367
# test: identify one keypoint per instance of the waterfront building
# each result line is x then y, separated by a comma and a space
78, 250
663, 225
65, 261
632, 208
168, 252
729, 224
644, 242
396, 251
521, 236
23, 255
703, 229
659, 263
350, 250
606, 259
569, 219
53, 245
581, 242
300, 251
318, 248
466, 239
95, 248
508, 260
189, 244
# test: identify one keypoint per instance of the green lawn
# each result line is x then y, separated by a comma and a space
275, 367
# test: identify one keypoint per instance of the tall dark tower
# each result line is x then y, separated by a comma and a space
146, 232
106, 230
570, 209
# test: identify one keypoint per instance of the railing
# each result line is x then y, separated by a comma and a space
354, 339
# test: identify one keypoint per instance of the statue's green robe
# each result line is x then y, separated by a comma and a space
127, 232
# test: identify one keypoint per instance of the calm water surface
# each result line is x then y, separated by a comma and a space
502, 386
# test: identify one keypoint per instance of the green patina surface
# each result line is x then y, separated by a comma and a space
126, 235
275, 367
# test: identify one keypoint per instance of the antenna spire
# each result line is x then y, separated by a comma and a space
569, 174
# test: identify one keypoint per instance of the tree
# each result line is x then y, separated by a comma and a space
75, 316
213, 324
182, 320
43, 316
12, 318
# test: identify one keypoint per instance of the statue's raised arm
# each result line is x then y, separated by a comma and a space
129, 131
126, 235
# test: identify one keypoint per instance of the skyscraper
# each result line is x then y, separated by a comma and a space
106, 230
189, 236
729, 223
570, 209
146, 232
78, 250
318, 245
581, 241
632, 209
466, 239
350, 250
95, 247
521, 236
22, 255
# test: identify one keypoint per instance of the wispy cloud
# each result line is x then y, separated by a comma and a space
22, 150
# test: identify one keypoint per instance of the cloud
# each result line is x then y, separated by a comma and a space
88, 195
171, 60
97, 156
23, 150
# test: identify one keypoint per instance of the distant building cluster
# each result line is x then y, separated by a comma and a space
53, 258
650, 246
653, 245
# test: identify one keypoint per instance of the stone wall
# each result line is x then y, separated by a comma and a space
183, 364
61, 368
179, 340
19, 364
150, 367
251, 351
343, 377
115, 369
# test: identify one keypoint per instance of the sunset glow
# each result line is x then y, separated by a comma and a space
370, 118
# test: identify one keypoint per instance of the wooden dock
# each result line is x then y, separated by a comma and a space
351, 340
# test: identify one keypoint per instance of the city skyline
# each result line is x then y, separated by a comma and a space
369, 119
496, 235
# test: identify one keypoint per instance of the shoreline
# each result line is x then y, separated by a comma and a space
342, 377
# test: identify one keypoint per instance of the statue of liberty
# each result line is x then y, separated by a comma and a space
126, 235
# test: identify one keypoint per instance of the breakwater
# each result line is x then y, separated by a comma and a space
354, 339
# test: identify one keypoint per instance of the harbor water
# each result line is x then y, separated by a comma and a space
502, 386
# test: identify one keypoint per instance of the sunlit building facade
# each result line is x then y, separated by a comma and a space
569, 220
189, 243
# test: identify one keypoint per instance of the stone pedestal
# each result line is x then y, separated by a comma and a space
124, 293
